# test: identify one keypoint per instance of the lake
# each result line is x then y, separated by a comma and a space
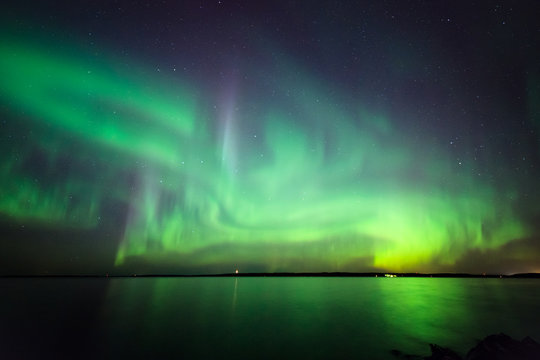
258, 317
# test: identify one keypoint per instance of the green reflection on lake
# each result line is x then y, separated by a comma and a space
314, 317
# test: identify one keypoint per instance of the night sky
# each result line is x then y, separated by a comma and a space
205, 136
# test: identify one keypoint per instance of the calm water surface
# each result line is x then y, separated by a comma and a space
253, 318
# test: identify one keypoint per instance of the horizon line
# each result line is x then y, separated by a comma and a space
283, 274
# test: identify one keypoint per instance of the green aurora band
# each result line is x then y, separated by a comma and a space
296, 183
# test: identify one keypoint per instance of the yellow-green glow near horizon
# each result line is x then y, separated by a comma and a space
298, 183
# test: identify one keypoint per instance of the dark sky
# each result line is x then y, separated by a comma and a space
205, 136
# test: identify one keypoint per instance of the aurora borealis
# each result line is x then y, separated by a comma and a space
210, 136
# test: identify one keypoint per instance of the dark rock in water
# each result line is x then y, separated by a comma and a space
402, 355
503, 347
493, 347
441, 353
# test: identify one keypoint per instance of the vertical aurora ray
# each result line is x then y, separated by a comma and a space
298, 182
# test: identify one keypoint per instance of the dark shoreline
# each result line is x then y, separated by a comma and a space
290, 274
